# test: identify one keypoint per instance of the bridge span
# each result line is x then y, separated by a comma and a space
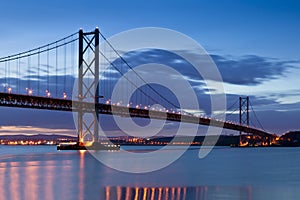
38, 102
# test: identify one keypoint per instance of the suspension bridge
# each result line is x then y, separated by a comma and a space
43, 78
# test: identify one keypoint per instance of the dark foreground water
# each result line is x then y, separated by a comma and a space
41, 172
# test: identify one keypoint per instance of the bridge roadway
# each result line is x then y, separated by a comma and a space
38, 102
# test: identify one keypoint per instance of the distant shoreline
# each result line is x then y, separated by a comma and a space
288, 140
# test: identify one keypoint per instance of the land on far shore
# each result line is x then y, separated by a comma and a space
42, 139
39, 139
291, 138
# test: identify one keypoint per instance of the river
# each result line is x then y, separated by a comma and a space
42, 172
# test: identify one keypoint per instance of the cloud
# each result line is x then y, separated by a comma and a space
242, 70
287, 97
251, 69
31, 130
36, 118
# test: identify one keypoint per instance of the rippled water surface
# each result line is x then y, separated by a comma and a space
42, 172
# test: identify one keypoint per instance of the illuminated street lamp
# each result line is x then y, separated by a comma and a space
29, 91
48, 94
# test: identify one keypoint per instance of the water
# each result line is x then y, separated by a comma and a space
41, 172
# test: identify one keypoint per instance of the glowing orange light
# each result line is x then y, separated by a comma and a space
82, 151
29, 92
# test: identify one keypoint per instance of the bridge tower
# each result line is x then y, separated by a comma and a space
88, 84
244, 113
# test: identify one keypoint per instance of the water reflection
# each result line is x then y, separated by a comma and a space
176, 193
77, 175
40, 177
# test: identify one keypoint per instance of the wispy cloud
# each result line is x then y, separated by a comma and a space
31, 130
242, 70
251, 69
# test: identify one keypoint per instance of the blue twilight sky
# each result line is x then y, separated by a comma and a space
257, 41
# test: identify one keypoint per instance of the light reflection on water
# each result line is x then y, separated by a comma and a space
176, 193
225, 174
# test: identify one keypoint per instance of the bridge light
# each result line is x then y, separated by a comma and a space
107, 102
137, 106
48, 94
127, 105
29, 91
65, 95
9, 90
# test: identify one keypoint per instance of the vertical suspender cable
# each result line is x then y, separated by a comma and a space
38, 78
16, 75
56, 69
108, 78
19, 76
128, 84
136, 91
104, 85
72, 60
65, 68
48, 89
28, 75
9, 76
5, 75
120, 67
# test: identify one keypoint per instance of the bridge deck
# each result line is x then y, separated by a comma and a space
37, 102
